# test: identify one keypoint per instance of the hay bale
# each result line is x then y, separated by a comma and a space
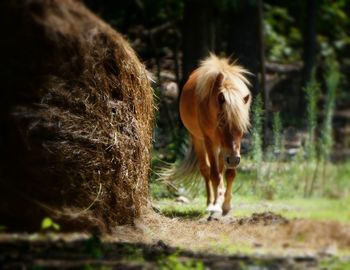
76, 119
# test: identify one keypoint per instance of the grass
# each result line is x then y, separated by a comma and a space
226, 247
310, 208
335, 264
287, 187
287, 179
282, 180
174, 262
193, 210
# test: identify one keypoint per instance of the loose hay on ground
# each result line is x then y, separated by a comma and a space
76, 119
266, 233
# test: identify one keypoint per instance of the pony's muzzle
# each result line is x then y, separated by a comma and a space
232, 161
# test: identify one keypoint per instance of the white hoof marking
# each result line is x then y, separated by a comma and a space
215, 209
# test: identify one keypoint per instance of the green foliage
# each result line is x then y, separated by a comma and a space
286, 179
183, 213
174, 262
48, 224
335, 264
233, 4
313, 92
163, 11
333, 40
192, 210
257, 130
93, 247
225, 246
276, 178
282, 38
277, 133
332, 82
97, 267
312, 96
159, 190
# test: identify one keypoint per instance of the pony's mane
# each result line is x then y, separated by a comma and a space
235, 111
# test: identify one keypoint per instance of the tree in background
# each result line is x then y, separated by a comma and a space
198, 32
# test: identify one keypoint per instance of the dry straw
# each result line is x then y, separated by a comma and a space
77, 117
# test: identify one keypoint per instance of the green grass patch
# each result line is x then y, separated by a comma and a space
174, 262
308, 208
193, 210
226, 247
335, 264
281, 180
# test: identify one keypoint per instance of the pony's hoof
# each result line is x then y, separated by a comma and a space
226, 209
214, 216
209, 207
214, 209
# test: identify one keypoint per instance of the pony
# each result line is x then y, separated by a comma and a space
214, 108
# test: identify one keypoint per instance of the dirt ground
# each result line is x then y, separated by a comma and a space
262, 232
262, 240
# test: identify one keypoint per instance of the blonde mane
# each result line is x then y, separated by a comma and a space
235, 110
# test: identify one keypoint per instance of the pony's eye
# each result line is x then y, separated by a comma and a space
221, 98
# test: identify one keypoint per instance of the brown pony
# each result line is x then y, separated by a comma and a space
214, 107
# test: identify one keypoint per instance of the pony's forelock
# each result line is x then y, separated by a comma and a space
235, 111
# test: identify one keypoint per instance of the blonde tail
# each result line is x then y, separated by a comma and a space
185, 174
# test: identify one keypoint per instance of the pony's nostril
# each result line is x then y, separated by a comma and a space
238, 160
232, 161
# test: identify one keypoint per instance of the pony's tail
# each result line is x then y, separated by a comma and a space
184, 174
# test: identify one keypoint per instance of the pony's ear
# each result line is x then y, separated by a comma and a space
217, 83
246, 98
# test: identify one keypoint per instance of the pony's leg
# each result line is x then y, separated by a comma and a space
204, 169
219, 200
230, 176
216, 178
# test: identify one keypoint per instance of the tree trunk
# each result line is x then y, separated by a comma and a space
198, 34
263, 90
310, 45
243, 39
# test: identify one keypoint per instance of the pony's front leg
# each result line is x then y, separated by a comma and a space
216, 178
204, 168
230, 177
205, 171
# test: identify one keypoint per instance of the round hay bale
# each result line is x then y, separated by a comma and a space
76, 119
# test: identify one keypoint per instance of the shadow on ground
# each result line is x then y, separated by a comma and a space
91, 253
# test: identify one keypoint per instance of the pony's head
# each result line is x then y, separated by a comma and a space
228, 99
231, 101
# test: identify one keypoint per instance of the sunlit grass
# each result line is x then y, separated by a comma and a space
288, 179
242, 206
195, 209
226, 247
310, 208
